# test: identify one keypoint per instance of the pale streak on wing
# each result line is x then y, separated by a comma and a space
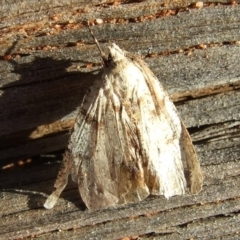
189, 158
105, 153
160, 129
61, 181
82, 143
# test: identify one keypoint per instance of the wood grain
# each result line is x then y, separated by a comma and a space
48, 60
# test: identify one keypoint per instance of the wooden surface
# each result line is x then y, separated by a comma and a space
49, 60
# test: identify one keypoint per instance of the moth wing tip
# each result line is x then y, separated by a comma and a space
196, 185
51, 201
196, 189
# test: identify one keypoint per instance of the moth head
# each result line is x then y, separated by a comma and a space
116, 53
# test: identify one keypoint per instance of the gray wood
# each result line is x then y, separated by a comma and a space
198, 74
195, 113
198, 113
49, 60
219, 197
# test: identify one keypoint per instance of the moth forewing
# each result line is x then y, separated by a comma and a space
192, 170
191, 164
128, 141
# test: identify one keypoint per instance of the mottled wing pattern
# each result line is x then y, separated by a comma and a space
189, 158
106, 149
128, 141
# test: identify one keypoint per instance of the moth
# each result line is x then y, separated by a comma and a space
128, 140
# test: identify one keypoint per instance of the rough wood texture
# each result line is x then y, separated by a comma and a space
49, 60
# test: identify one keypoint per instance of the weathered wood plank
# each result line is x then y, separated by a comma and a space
156, 36
203, 229
195, 113
31, 148
145, 224
50, 53
211, 110
155, 211
196, 18
221, 183
48, 77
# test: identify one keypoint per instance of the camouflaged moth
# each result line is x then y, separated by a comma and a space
128, 140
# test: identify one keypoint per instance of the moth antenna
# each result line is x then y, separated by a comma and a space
103, 56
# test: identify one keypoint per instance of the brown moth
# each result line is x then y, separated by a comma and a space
128, 140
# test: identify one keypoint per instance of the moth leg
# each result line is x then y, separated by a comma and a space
61, 181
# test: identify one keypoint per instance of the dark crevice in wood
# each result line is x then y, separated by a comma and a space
203, 46
202, 128
182, 98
